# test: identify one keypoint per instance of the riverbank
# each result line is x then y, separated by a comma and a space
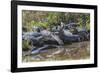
74, 51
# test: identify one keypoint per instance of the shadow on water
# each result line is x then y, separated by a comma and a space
74, 51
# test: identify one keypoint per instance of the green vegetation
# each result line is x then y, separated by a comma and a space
49, 19
25, 45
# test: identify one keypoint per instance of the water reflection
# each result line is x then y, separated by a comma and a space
75, 51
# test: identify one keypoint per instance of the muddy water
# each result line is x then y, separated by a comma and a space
74, 51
